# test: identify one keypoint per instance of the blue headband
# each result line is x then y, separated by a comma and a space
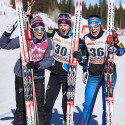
94, 20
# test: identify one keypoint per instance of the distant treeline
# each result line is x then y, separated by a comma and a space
50, 6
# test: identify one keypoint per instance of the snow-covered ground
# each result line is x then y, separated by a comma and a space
7, 87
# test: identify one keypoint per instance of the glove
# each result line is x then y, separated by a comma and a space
33, 65
77, 55
84, 77
10, 28
112, 50
121, 51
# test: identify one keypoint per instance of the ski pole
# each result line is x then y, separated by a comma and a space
14, 26
95, 94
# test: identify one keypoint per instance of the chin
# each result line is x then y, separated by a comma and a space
94, 35
64, 34
39, 38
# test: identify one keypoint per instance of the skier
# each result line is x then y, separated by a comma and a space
95, 42
42, 59
59, 70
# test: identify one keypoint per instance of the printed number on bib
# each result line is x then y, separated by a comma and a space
61, 54
97, 55
61, 50
100, 52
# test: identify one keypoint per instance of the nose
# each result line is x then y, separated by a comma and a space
93, 28
63, 27
39, 31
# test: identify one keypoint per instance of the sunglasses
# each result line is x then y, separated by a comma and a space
64, 14
95, 26
38, 29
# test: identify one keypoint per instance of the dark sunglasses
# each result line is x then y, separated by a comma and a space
95, 26
38, 29
64, 14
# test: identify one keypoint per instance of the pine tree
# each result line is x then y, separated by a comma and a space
96, 9
120, 16
100, 8
116, 17
50, 6
70, 6
84, 10
104, 13
13, 3
90, 11
63, 6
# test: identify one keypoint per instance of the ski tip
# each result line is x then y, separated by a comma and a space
76, 3
80, 3
17, 1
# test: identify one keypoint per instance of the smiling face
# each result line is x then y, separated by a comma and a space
94, 29
38, 32
64, 29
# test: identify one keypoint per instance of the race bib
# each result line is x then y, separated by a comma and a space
96, 49
38, 51
61, 48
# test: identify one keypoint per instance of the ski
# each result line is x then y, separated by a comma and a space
109, 66
28, 81
71, 79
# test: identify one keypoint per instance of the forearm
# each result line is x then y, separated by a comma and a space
45, 63
4, 40
7, 43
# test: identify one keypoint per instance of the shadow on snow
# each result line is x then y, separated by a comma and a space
57, 119
8, 117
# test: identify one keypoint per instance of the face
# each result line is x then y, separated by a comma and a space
38, 32
94, 29
64, 29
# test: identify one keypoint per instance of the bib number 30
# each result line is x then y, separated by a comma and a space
61, 50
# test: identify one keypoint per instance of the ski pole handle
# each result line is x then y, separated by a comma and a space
14, 27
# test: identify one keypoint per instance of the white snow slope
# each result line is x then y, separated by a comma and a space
7, 88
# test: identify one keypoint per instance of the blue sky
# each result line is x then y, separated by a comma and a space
97, 1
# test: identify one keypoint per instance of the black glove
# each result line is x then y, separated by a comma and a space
33, 65
77, 55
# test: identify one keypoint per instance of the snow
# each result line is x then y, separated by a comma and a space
7, 88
